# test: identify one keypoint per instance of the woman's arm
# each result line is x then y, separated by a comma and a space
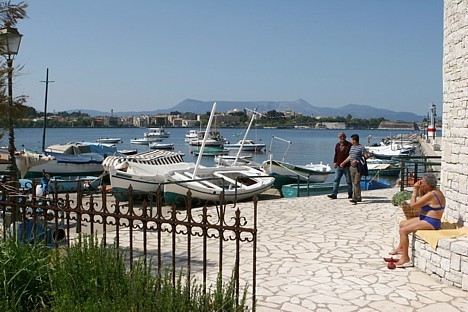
419, 201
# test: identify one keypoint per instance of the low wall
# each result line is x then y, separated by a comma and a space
447, 263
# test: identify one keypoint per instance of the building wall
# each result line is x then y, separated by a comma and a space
454, 176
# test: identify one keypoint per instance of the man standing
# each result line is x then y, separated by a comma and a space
355, 153
341, 153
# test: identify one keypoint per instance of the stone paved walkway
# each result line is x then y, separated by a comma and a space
317, 254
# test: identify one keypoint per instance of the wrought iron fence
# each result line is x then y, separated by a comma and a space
208, 241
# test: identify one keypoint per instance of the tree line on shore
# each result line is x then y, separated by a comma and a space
32, 118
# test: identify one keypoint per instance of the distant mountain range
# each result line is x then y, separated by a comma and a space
299, 106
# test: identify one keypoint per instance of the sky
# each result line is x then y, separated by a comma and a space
153, 54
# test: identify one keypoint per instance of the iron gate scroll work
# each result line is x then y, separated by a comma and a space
206, 242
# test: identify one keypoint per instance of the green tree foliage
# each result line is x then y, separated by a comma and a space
10, 14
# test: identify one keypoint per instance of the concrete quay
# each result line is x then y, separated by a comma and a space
318, 254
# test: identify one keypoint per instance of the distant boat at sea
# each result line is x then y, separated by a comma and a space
159, 132
109, 140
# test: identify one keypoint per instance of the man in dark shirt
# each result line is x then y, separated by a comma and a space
341, 154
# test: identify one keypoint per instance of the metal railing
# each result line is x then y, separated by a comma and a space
205, 241
414, 167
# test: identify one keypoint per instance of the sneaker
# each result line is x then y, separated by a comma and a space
353, 201
350, 196
332, 196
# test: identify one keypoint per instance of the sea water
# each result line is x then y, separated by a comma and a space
307, 145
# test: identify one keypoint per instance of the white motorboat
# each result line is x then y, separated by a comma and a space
156, 145
109, 140
246, 145
384, 151
69, 159
191, 135
214, 139
145, 140
157, 133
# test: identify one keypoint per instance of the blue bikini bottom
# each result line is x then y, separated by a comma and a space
436, 223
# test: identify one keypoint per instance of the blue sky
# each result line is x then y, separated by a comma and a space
146, 55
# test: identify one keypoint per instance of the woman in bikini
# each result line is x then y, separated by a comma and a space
432, 203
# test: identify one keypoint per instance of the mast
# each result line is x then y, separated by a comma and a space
200, 154
245, 137
45, 108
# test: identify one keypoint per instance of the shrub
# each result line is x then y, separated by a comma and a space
24, 280
400, 197
89, 276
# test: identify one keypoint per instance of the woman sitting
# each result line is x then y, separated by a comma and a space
432, 203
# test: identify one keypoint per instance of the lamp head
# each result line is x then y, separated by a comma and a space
10, 40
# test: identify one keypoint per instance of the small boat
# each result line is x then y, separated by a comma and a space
71, 184
310, 189
144, 171
215, 139
191, 135
156, 145
128, 152
374, 184
145, 140
109, 140
383, 167
157, 133
211, 151
210, 183
384, 151
143, 178
64, 160
246, 145
237, 183
230, 160
286, 173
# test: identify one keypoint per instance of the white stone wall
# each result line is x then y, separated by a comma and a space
454, 176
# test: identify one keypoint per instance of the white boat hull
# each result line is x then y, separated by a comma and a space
237, 183
143, 178
304, 173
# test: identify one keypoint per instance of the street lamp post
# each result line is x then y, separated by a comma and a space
10, 40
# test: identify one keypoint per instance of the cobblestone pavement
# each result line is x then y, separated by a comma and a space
318, 254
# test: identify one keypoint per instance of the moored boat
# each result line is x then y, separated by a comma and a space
286, 173
156, 145
374, 184
145, 140
159, 132
214, 139
144, 171
310, 189
64, 160
247, 145
208, 183
211, 151
109, 140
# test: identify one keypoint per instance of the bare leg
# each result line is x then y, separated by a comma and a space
403, 224
407, 228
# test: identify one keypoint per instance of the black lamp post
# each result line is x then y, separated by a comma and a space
10, 40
